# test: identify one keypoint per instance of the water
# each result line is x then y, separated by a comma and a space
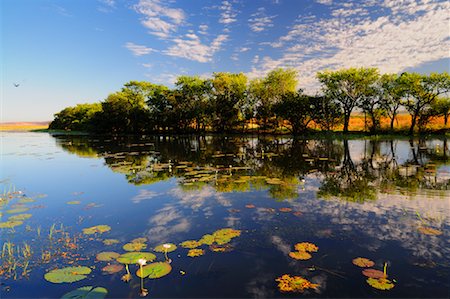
351, 198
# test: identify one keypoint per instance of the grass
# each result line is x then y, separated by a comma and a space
23, 126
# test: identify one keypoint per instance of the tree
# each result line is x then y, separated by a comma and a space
421, 93
297, 109
349, 87
326, 112
442, 106
391, 91
78, 118
371, 104
227, 91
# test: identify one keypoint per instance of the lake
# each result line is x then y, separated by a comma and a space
260, 214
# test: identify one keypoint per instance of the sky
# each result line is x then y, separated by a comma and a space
65, 52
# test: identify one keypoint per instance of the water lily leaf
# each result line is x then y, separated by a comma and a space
73, 202
68, 274
300, 255
87, 292
373, 273
134, 246
154, 270
17, 210
207, 239
10, 223
307, 247
139, 240
224, 235
191, 244
298, 284
133, 257
96, 229
285, 210
114, 268
429, 231
363, 262
380, 283
221, 248
26, 200
110, 241
250, 206
195, 252
20, 217
107, 256
167, 247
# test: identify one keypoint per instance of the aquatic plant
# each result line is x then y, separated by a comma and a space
287, 283
300, 255
166, 247
380, 283
96, 229
133, 257
154, 270
73, 202
362, 262
307, 247
107, 256
221, 248
285, 210
110, 241
191, 244
10, 223
373, 273
17, 210
429, 231
134, 246
195, 252
87, 292
250, 206
113, 268
20, 217
68, 274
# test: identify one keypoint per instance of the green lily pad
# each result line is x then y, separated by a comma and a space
17, 210
167, 247
87, 292
107, 256
20, 217
110, 241
134, 246
191, 244
73, 202
10, 223
26, 200
207, 239
133, 257
96, 229
154, 270
139, 240
68, 274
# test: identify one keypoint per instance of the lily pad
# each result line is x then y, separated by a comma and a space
380, 283
363, 262
20, 217
300, 255
73, 202
107, 256
139, 240
429, 231
307, 247
88, 292
195, 252
17, 210
191, 244
298, 284
373, 273
207, 239
167, 247
154, 270
133, 257
110, 241
10, 223
26, 200
96, 229
134, 246
221, 248
68, 274
285, 210
250, 206
114, 268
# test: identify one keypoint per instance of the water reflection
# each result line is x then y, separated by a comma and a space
351, 170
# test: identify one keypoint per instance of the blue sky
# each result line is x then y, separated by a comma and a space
67, 52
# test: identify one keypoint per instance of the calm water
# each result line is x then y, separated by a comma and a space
355, 198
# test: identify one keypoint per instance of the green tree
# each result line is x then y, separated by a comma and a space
228, 90
391, 90
297, 109
421, 93
349, 87
77, 118
326, 112
442, 106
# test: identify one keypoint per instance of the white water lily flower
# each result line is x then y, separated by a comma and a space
142, 262
167, 246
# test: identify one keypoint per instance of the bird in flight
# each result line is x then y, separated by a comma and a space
16, 84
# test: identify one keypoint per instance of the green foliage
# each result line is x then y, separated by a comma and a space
327, 114
88, 292
442, 107
78, 118
68, 274
154, 270
296, 108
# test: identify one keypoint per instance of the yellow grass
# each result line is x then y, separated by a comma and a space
402, 122
23, 126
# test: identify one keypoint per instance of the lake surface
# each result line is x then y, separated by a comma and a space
384, 200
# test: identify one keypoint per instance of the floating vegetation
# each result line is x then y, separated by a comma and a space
73, 202
10, 223
225, 235
221, 248
134, 246
380, 283
154, 270
88, 292
17, 210
133, 257
373, 273
285, 210
20, 217
302, 250
96, 229
107, 256
26, 200
110, 241
207, 239
68, 274
113, 268
250, 206
300, 255
195, 252
363, 262
139, 240
297, 284
191, 244
167, 247
429, 231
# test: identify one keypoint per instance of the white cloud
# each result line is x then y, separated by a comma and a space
228, 14
203, 29
259, 21
194, 49
138, 50
325, 2
244, 49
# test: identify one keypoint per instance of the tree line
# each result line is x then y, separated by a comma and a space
230, 102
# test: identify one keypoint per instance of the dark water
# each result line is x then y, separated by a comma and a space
355, 198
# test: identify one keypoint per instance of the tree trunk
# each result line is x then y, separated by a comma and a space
346, 121
392, 122
413, 124
445, 120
